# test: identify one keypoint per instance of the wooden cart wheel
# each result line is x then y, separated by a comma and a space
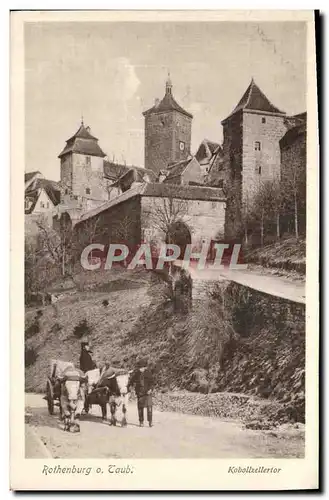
50, 397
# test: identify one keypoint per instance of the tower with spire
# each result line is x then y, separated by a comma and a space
251, 150
82, 172
167, 132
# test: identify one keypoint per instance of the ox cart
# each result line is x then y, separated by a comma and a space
53, 386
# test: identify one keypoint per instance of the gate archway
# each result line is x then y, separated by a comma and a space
179, 234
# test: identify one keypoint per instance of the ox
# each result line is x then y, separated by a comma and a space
71, 397
110, 388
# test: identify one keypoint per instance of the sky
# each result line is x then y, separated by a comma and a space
111, 72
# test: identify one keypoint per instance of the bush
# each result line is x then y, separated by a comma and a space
30, 356
82, 329
105, 303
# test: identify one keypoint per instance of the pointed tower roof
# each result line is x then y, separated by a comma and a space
83, 142
254, 99
168, 103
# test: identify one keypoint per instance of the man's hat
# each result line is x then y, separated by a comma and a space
141, 362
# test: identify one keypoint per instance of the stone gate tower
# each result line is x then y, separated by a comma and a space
251, 150
82, 172
167, 132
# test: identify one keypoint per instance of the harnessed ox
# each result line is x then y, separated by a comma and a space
72, 383
112, 389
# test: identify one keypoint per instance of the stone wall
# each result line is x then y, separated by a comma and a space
83, 180
181, 133
293, 158
120, 223
266, 355
264, 165
232, 167
205, 219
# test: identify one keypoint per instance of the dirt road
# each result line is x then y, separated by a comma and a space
278, 286
174, 435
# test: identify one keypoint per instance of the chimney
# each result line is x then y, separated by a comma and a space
156, 102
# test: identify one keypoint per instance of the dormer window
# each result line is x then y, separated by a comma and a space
257, 146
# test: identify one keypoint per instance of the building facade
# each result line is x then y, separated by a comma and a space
167, 132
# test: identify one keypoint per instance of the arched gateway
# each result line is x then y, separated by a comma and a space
179, 234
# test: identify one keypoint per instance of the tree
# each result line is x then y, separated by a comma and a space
269, 205
294, 187
39, 267
57, 245
276, 201
167, 211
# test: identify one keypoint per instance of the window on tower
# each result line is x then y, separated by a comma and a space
87, 190
257, 146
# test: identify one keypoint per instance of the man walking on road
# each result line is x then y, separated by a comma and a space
142, 380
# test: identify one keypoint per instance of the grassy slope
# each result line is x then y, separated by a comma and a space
287, 256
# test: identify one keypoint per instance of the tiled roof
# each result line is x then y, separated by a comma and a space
168, 103
84, 143
160, 190
254, 99
206, 151
292, 134
108, 204
83, 133
51, 187
183, 192
134, 175
212, 145
177, 169
114, 171
293, 121
30, 175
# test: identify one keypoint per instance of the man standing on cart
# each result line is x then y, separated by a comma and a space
86, 361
